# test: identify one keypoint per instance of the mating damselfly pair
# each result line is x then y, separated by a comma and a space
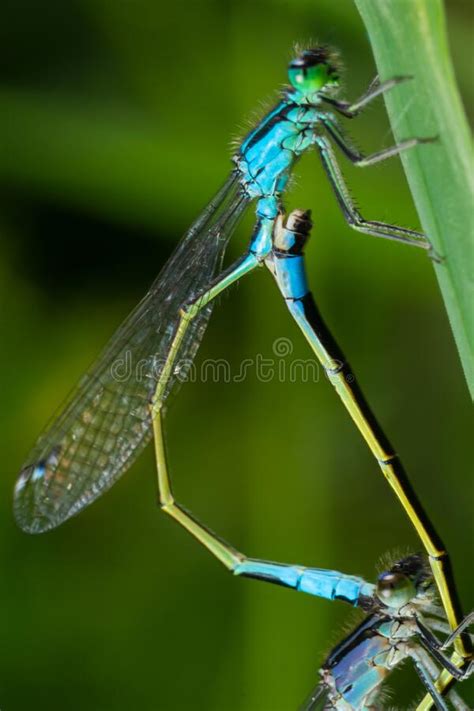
106, 423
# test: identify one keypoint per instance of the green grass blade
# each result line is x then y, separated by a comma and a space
408, 37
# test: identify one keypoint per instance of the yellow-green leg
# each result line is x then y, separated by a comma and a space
221, 550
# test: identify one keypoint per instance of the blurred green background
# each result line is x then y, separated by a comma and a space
115, 123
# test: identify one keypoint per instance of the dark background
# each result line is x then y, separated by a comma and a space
115, 120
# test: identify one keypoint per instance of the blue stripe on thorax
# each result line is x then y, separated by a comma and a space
267, 154
278, 114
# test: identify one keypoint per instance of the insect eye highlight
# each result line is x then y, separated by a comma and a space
312, 70
395, 589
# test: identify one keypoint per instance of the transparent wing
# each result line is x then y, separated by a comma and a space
105, 423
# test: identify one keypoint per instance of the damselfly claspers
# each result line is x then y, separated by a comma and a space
108, 420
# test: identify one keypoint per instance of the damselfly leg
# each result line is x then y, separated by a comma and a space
358, 158
352, 214
374, 90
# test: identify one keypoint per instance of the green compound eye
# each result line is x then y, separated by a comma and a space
395, 589
312, 70
312, 79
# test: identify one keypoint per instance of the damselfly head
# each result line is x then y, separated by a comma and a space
404, 581
313, 70
395, 589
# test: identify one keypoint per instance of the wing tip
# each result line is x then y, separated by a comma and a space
25, 510
31, 522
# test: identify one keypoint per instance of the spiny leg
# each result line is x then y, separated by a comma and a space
466, 622
458, 673
426, 672
436, 647
443, 684
444, 628
441, 688
355, 156
457, 668
351, 213
375, 89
